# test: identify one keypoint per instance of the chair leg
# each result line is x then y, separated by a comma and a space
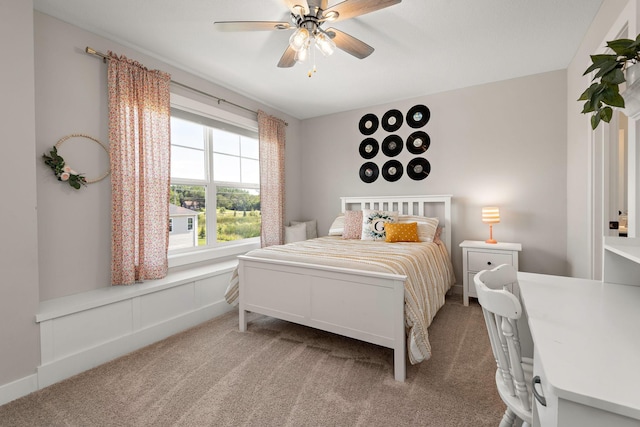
508, 418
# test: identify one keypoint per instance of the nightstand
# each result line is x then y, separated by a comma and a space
478, 255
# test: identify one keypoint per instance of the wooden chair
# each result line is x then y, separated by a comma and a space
501, 312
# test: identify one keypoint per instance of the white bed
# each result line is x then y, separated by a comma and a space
361, 304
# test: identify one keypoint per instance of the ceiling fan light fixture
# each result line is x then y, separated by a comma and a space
325, 44
302, 55
299, 39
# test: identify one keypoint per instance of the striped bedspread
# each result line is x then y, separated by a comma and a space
427, 267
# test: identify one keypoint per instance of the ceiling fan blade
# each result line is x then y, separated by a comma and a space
350, 44
251, 25
288, 58
352, 8
294, 6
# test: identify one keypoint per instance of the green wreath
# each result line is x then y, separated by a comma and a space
62, 171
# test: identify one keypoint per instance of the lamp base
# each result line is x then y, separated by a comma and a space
492, 241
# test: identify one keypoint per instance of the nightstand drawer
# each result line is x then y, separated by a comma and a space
478, 261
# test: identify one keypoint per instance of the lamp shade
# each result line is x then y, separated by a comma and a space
490, 215
298, 39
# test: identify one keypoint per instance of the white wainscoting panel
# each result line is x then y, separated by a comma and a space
82, 331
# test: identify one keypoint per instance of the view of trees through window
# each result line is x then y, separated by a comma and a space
215, 196
237, 211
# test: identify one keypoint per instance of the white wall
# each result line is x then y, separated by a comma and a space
71, 97
579, 162
19, 348
497, 144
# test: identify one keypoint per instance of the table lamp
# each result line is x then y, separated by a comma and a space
490, 216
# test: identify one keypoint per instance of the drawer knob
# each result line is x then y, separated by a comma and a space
488, 262
540, 398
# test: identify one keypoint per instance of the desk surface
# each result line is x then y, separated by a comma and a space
587, 334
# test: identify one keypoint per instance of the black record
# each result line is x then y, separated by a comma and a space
392, 120
369, 172
392, 145
418, 168
418, 116
418, 142
368, 124
392, 170
369, 148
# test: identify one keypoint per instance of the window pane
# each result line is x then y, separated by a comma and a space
238, 214
226, 142
187, 133
249, 147
250, 171
226, 168
187, 163
187, 213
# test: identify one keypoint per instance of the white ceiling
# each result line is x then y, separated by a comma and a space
422, 46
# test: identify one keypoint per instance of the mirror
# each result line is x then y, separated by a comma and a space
618, 178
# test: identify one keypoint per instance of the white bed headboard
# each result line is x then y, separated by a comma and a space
431, 206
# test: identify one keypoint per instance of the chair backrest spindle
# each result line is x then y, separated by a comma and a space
501, 311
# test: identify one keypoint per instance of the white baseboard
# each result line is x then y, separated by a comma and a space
18, 388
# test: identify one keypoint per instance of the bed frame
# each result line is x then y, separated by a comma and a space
364, 305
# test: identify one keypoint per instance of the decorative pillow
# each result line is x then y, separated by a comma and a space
337, 227
436, 238
373, 222
426, 226
401, 232
352, 225
295, 233
312, 228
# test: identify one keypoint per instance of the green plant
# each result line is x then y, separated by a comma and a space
62, 171
604, 93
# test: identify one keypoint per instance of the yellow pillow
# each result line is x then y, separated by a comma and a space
401, 232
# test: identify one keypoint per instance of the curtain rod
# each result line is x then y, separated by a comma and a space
105, 57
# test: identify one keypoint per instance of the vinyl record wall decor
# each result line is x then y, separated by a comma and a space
391, 145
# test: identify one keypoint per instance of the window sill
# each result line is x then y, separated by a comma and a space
213, 254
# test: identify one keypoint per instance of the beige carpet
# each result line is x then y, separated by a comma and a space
279, 374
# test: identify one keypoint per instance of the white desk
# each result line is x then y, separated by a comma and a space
586, 338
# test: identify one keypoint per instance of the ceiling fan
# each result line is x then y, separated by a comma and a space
307, 18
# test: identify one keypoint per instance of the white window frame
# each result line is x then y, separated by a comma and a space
221, 250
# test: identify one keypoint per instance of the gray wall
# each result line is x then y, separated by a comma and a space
71, 97
497, 144
19, 341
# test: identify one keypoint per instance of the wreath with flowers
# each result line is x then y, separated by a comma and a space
64, 172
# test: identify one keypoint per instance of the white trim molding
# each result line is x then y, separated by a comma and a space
81, 331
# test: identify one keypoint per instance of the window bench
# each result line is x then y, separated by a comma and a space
84, 330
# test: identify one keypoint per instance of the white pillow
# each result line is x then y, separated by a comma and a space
337, 227
295, 233
427, 227
373, 223
312, 228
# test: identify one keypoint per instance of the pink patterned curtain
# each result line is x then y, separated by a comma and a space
139, 118
272, 132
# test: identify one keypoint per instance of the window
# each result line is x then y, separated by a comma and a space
215, 182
